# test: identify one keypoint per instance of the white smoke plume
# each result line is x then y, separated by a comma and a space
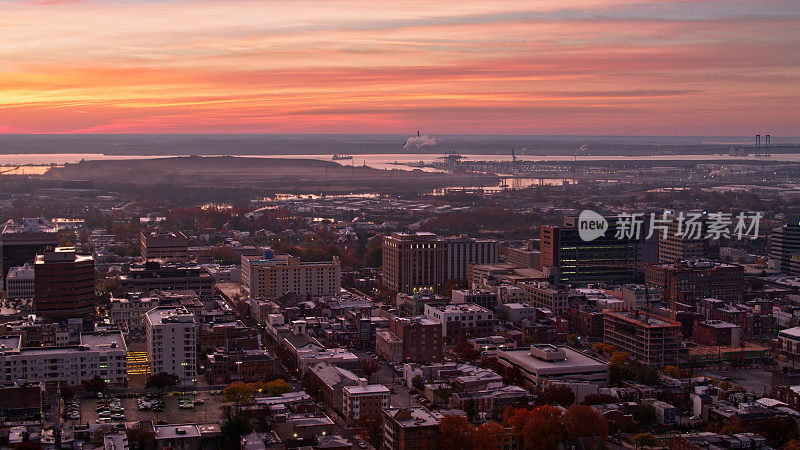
418, 142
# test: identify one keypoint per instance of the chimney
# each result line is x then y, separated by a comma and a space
758, 140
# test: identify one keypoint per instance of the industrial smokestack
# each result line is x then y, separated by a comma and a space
767, 140
758, 140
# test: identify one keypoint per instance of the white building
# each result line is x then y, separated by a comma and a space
544, 362
172, 342
364, 399
20, 282
517, 312
271, 276
100, 354
462, 321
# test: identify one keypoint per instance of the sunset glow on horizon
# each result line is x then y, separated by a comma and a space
478, 67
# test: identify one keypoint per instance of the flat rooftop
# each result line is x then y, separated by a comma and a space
572, 363
412, 417
368, 389
642, 318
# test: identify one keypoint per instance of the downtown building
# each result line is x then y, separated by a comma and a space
271, 276
683, 242
155, 276
423, 261
21, 242
784, 247
684, 283
64, 285
608, 259
172, 342
461, 322
102, 354
410, 339
653, 341
172, 246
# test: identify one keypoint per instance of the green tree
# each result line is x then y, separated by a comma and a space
643, 440
239, 392
277, 387
162, 381
373, 257
234, 427
373, 426
96, 384
418, 382
644, 415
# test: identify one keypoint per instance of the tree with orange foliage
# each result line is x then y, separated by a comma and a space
584, 421
489, 436
544, 430
618, 359
516, 418
456, 433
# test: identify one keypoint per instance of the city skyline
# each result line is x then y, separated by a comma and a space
513, 67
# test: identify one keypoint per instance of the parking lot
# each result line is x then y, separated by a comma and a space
208, 409
754, 380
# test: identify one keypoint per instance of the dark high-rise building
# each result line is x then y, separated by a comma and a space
785, 242
166, 246
21, 242
64, 285
605, 259
424, 261
413, 261
154, 276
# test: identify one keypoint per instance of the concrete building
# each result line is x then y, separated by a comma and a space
789, 344
424, 261
167, 246
21, 242
20, 282
649, 339
545, 362
102, 354
480, 297
461, 322
462, 251
154, 276
364, 400
172, 342
64, 284
420, 339
683, 283
389, 347
716, 332
271, 276
523, 257
784, 242
129, 313
681, 241
413, 262
412, 428
546, 295
517, 312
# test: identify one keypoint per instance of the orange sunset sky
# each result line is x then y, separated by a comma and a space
493, 67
